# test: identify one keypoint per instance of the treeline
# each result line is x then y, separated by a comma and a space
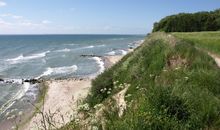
190, 22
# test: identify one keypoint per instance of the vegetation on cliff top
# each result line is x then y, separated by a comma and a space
171, 85
190, 22
207, 40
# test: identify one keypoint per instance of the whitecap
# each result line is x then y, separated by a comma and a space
101, 45
123, 52
89, 47
63, 50
22, 58
58, 70
111, 53
100, 63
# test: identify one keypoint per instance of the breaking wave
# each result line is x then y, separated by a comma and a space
22, 58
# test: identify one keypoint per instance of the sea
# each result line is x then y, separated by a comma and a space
51, 56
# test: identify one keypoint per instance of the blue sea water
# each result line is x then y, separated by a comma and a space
51, 56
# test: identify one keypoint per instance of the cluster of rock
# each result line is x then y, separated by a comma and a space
31, 81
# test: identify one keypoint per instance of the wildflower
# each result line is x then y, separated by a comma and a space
93, 121
128, 95
128, 85
95, 128
151, 75
98, 106
164, 70
137, 87
13, 127
77, 120
114, 82
186, 78
84, 107
177, 68
20, 113
109, 92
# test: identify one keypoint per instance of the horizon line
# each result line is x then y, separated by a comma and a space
70, 34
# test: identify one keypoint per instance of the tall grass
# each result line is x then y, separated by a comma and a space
205, 40
170, 87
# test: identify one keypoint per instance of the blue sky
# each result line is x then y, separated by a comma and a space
91, 16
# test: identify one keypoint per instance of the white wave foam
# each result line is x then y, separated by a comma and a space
71, 44
86, 47
16, 97
100, 64
59, 70
123, 52
111, 53
63, 50
89, 47
22, 58
101, 45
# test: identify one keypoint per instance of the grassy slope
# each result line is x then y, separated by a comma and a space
171, 87
206, 40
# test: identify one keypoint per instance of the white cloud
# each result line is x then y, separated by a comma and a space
4, 23
17, 17
46, 22
11, 16
2, 4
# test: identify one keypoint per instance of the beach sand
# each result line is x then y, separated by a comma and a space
63, 96
61, 101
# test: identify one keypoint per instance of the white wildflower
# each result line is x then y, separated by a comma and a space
93, 121
84, 107
151, 75
13, 127
95, 128
109, 92
164, 70
128, 95
177, 68
98, 106
186, 78
20, 113
77, 120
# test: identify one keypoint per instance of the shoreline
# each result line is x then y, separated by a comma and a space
63, 96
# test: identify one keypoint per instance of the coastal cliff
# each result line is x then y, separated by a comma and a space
166, 83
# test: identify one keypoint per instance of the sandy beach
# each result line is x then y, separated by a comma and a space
62, 98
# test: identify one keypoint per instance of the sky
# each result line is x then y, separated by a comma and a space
91, 16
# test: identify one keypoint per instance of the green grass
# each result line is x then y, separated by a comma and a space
205, 40
171, 87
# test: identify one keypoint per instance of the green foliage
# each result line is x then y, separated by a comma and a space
188, 22
167, 97
170, 87
206, 40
